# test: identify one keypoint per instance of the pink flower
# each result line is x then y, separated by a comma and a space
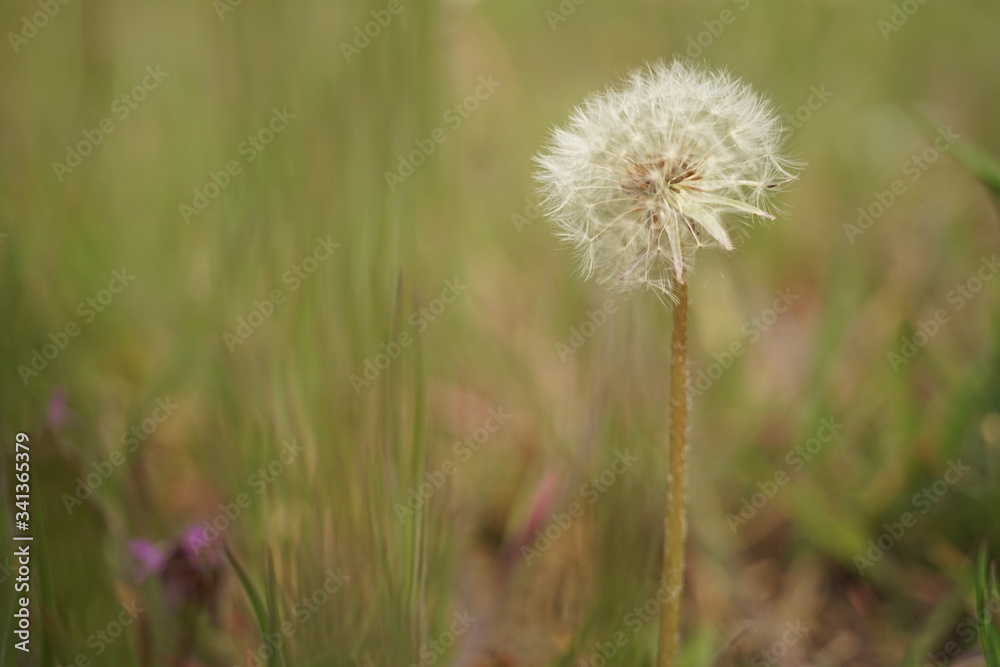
190, 569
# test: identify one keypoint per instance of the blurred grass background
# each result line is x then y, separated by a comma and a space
466, 215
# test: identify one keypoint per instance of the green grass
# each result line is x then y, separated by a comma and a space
324, 176
987, 595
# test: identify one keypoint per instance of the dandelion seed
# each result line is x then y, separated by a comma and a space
644, 174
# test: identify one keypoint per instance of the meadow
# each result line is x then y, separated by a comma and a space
279, 272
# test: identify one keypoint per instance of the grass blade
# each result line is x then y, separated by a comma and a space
256, 602
987, 591
277, 658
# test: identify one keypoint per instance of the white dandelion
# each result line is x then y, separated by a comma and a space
673, 160
642, 176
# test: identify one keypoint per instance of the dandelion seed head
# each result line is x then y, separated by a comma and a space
672, 160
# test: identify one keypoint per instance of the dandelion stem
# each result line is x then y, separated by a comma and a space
675, 520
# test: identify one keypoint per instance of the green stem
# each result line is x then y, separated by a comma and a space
675, 521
